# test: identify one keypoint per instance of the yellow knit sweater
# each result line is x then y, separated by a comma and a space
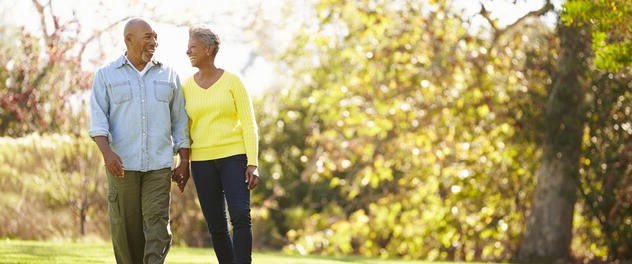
221, 119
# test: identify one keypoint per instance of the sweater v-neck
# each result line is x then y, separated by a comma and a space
212, 84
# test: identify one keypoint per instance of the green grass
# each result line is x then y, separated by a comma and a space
19, 251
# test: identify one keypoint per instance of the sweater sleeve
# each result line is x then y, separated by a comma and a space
246, 115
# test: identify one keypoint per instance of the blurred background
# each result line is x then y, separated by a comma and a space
492, 130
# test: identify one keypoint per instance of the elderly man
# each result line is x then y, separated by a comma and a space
138, 122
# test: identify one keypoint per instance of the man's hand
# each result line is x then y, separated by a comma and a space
252, 176
113, 162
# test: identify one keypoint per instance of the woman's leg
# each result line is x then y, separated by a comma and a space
232, 173
211, 196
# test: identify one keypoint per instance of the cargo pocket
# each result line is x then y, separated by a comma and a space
113, 208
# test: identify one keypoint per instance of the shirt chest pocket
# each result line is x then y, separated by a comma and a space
120, 92
162, 91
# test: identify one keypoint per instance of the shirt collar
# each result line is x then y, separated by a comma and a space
123, 60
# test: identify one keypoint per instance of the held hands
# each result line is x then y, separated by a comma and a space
252, 176
181, 175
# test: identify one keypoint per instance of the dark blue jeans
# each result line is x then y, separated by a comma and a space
222, 180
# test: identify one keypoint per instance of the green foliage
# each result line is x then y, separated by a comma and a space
612, 35
63, 176
605, 167
399, 134
58, 175
402, 135
605, 181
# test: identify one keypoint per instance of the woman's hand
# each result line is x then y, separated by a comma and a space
252, 176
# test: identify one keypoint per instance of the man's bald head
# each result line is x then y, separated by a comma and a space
141, 41
134, 24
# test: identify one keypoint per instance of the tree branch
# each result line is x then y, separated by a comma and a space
548, 6
98, 34
40, 9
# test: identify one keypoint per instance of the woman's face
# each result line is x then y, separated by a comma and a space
197, 51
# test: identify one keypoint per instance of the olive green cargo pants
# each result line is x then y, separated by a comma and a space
138, 205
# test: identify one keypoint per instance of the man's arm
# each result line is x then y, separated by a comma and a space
99, 125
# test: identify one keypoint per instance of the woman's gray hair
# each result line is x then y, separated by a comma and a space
208, 37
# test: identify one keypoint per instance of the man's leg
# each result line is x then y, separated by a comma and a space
155, 197
124, 209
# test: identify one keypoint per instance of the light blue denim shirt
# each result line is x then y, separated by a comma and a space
143, 117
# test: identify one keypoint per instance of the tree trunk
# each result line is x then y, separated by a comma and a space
84, 218
549, 223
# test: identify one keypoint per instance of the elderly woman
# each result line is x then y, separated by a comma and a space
224, 149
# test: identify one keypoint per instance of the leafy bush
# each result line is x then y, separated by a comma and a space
52, 186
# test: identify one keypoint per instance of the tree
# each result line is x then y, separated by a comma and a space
42, 77
566, 169
548, 232
605, 177
394, 138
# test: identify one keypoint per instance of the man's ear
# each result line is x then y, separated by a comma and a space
128, 37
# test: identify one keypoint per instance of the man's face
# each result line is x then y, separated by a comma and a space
142, 42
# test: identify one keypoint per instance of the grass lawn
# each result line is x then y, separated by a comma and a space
19, 251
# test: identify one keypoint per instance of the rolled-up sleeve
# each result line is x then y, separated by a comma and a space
179, 119
99, 108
